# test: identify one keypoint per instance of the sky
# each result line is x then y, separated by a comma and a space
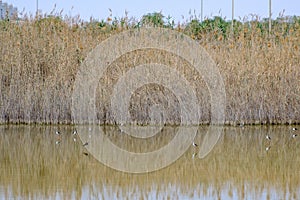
175, 8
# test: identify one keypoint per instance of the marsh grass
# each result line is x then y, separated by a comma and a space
40, 57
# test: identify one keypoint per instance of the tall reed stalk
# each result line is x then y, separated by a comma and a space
39, 59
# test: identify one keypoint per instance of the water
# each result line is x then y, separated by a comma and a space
36, 163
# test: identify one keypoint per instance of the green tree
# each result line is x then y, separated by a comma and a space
154, 19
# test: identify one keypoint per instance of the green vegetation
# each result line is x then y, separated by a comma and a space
40, 57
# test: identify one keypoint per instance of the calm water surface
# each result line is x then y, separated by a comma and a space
35, 163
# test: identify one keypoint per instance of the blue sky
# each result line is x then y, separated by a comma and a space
174, 8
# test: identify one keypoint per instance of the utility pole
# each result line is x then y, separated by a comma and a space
201, 10
1, 9
232, 9
37, 8
270, 15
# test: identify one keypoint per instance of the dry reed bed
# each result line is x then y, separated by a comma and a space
30, 161
39, 60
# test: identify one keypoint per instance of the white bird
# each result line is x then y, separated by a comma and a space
268, 148
85, 144
57, 133
57, 142
294, 135
268, 137
294, 129
195, 145
75, 132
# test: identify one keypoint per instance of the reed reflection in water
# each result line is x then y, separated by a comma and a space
37, 163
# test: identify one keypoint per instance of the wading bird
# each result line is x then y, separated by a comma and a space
85, 144
57, 133
195, 145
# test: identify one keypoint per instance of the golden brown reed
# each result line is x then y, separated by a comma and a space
40, 57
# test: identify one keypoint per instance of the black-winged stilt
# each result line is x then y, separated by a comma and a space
85, 144
57, 133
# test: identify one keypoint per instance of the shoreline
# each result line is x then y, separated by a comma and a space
226, 124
